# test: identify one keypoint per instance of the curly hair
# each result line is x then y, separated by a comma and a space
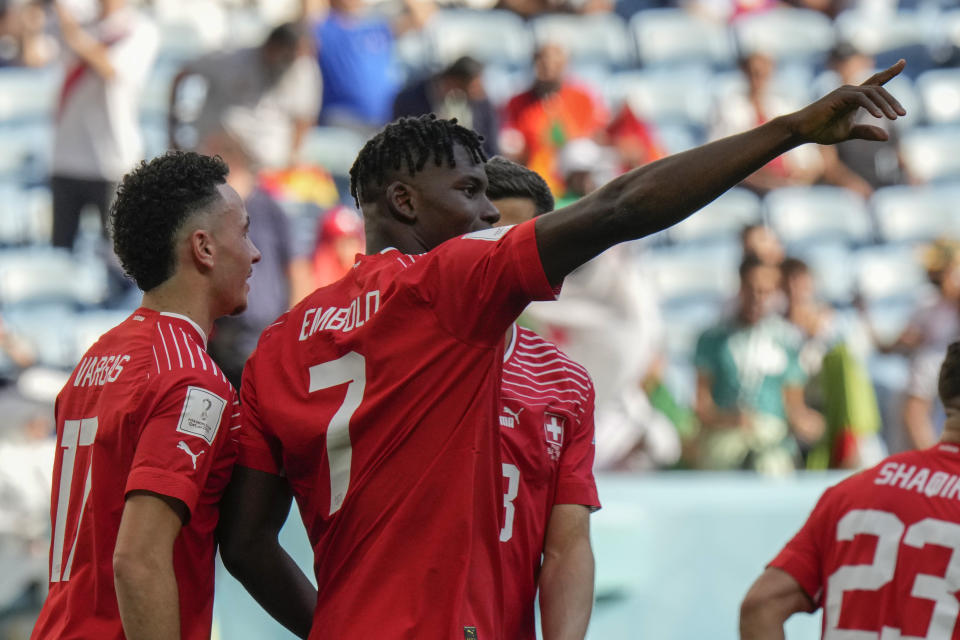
410, 142
153, 202
948, 382
508, 179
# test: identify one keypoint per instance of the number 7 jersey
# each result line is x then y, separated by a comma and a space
881, 550
377, 396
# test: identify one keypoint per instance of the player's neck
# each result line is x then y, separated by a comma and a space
169, 299
951, 426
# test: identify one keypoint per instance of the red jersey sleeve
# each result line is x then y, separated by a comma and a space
479, 283
256, 449
185, 431
801, 557
575, 482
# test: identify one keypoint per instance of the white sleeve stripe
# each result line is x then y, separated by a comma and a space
175, 345
235, 428
156, 360
200, 353
167, 351
186, 344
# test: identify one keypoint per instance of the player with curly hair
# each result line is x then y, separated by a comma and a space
146, 420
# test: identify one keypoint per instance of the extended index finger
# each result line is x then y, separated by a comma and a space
881, 78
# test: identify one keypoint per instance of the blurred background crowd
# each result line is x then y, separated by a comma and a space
796, 323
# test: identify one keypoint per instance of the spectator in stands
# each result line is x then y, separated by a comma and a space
531, 8
23, 41
853, 164
356, 57
839, 385
97, 132
634, 139
761, 241
339, 240
553, 111
455, 92
234, 337
934, 325
749, 395
267, 96
583, 166
740, 110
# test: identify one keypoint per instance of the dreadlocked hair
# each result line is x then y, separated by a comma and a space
409, 143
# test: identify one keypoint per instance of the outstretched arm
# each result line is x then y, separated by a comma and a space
773, 598
660, 194
252, 512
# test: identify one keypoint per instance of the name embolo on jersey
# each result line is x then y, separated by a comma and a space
145, 409
378, 397
881, 550
546, 430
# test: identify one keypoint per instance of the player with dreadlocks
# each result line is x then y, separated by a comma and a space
374, 401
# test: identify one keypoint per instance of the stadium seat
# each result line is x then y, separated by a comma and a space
791, 83
833, 273
786, 33
28, 95
676, 137
27, 148
930, 153
332, 148
685, 321
674, 36
489, 36
25, 215
192, 31
802, 215
247, 27
722, 219
40, 275
695, 273
679, 95
591, 38
889, 274
939, 90
915, 214
888, 36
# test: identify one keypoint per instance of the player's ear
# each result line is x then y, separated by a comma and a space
202, 248
400, 201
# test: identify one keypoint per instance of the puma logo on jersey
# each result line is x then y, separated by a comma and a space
186, 449
511, 420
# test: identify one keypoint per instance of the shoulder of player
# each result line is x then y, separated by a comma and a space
531, 345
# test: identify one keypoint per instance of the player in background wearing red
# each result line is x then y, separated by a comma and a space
145, 422
546, 440
881, 550
375, 400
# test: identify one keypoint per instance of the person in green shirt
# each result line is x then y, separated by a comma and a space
749, 395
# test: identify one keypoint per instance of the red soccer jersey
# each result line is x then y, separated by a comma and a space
879, 552
377, 396
146, 409
546, 431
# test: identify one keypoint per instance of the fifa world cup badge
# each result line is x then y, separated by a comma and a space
469, 633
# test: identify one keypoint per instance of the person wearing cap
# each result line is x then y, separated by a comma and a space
339, 240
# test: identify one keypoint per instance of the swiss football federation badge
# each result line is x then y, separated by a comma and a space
553, 426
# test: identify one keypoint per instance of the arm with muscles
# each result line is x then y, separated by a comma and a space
662, 193
85, 46
566, 577
772, 599
146, 586
252, 512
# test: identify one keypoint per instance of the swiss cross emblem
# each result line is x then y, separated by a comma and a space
553, 429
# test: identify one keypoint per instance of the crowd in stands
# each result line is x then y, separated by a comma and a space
798, 322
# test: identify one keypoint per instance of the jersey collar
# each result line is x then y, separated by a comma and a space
203, 334
513, 342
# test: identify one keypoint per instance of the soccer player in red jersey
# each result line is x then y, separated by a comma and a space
375, 400
546, 440
145, 422
881, 550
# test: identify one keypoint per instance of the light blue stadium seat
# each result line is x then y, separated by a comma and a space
939, 90
914, 35
333, 148
685, 320
39, 275
677, 136
489, 36
190, 33
25, 215
833, 273
931, 152
88, 326
695, 273
909, 215
786, 34
889, 274
664, 95
722, 219
28, 95
674, 36
596, 37
27, 150
803, 215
